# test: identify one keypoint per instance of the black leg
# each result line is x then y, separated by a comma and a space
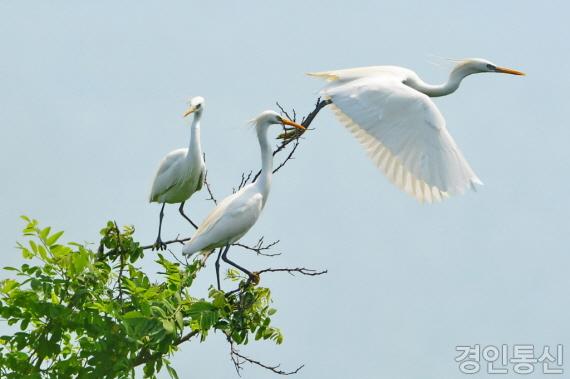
181, 209
218, 266
225, 259
159, 245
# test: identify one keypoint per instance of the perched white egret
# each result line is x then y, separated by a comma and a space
389, 110
236, 214
181, 172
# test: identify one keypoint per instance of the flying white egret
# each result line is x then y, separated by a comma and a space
236, 214
389, 110
181, 172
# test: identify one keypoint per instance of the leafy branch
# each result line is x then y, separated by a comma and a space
89, 313
85, 313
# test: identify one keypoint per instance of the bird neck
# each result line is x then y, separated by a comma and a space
458, 73
264, 180
194, 146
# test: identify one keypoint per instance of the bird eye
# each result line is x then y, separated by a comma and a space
491, 67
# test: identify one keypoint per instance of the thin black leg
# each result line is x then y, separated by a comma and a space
181, 209
159, 245
225, 259
218, 266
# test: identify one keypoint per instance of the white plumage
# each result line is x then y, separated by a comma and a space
181, 172
232, 218
179, 175
389, 110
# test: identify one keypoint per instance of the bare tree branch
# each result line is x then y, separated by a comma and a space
209, 188
238, 360
259, 247
176, 240
289, 156
284, 112
243, 182
254, 279
295, 134
293, 271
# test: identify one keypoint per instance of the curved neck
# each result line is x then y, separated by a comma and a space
434, 90
194, 146
264, 180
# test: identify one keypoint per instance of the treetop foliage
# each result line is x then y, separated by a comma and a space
93, 314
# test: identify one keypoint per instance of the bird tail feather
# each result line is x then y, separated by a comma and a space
329, 76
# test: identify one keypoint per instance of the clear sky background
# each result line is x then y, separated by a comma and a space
91, 98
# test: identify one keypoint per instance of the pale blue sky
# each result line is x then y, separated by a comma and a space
91, 97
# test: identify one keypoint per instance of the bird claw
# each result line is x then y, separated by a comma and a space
254, 278
159, 245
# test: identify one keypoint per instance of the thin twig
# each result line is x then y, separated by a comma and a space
176, 240
284, 112
243, 182
176, 258
320, 104
289, 156
144, 356
210, 193
259, 248
292, 271
239, 359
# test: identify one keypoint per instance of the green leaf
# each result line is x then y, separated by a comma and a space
34, 246
200, 306
44, 233
54, 298
8, 285
169, 326
53, 238
133, 314
171, 372
179, 320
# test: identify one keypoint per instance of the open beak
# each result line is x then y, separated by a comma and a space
190, 110
285, 121
505, 70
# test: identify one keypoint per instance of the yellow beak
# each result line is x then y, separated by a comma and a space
505, 70
285, 121
190, 110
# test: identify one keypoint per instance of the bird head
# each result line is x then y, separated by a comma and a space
196, 104
478, 65
271, 117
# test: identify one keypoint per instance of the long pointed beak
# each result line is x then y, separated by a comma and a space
190, 110
505, 70
285, 121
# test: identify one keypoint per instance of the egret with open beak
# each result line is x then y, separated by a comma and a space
232, 218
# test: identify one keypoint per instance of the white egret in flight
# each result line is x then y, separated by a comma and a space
389, 110
236, 214
181, 172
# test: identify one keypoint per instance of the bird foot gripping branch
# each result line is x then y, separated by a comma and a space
255, 278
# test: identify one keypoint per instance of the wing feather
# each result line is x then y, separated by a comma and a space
166, 176
402, 131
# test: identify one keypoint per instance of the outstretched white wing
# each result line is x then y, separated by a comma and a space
402, 131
